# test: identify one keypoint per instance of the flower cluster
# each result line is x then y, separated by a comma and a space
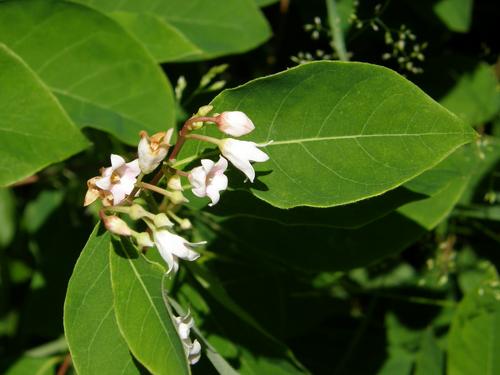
118, 186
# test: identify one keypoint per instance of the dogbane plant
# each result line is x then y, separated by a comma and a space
119, 186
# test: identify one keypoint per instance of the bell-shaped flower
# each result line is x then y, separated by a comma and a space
235, 123
119, 179
152, 150
171, 247
191, 348
241, 153
209, 179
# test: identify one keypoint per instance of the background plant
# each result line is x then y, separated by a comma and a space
366, 244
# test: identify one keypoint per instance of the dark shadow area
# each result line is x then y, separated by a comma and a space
240, 203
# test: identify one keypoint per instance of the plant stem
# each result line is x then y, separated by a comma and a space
65, 365
186, 128
204, 138
154, 188
135, 189
337, 42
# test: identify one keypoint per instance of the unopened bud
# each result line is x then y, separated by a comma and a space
176, 197
185, 224
161, 220
218, 85
116, 225
136, 212
235, 123
143, 239
175, 183
204, 110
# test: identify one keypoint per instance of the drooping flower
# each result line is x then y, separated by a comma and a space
240, 153
119, 179
209, 179
152, 150
191, 348
235, 123
172, 247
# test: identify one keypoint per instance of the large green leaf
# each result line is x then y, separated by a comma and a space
34, 129
142, 315
474, 339
94, 339
455, 14
342, 132
185, 30
101, 75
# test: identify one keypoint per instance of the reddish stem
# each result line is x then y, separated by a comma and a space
186, 128
65, 365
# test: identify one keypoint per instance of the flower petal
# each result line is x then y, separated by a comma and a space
207, 165
104, 183
116, 161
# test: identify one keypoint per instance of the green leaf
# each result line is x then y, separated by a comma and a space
265, 3
143, 317
34, 129
430, 359
342, 132
102, 76
187, 30
474, 338
38, 210
7, 217
455, 14
94, 339
474, 97
34, 366
444, 184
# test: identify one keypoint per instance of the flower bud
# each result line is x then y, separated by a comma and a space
176, 197
116, 225
152, 151
161, 220
234, 123
185, 224
174, 183
137, 212
204, 110
143, 239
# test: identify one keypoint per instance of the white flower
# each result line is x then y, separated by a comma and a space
234, 123
191, 348
119, 179
172, 247
152, 150
209, 179
240, 153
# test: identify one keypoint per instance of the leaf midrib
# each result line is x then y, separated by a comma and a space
356, 136
157, 313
